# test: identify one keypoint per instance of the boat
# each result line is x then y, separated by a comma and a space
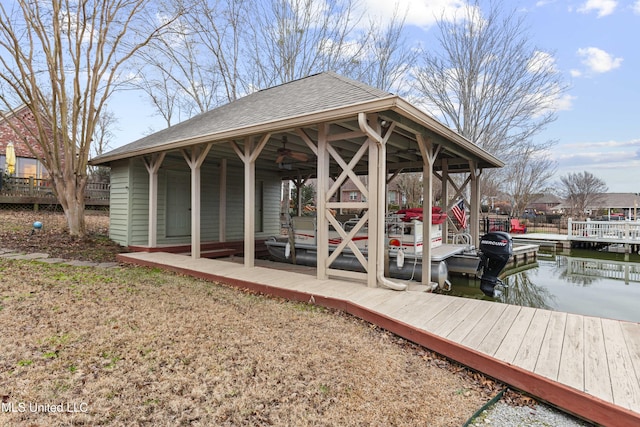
404, 245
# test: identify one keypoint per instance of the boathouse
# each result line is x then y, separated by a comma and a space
212, 184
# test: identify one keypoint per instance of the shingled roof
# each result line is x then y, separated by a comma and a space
309, 95
320, 98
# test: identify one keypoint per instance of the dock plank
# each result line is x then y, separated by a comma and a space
459, 319
548, 362
624, 383
527, 354
571, 371
414, 304
396, 302
631, 333
422, 314
478, 333
467, 324
434, 323
499, 330
515, 336
595, 360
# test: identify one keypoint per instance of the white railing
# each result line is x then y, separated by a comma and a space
604, 231
629, 272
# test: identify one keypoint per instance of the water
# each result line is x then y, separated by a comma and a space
585, 282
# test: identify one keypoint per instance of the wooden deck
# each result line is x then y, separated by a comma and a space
585, 365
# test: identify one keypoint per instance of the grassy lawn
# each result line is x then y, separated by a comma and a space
136, 346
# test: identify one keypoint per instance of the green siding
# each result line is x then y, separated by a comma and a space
139, 203
119, 203
130, 202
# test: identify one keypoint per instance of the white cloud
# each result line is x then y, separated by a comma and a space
597, 60
622, 155
542, 62
420, 13
542, 3
563, 103
603, 7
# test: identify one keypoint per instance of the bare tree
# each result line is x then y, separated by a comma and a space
177, 71
387, 57
529, 172
63, 59
581, 190
291, 39
410, 185
102, 138
221, 29
487, 82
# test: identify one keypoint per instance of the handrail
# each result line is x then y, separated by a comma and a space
605, 231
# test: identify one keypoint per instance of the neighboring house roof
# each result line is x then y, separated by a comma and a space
546, 199
616, 201
609, 201
315, 99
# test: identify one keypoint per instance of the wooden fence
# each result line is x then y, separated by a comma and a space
36, 190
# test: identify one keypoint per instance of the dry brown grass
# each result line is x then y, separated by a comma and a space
144, 347
16, 233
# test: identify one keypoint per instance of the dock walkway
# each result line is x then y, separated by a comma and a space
585, 365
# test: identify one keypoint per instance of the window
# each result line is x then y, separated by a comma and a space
26, 168
392, 197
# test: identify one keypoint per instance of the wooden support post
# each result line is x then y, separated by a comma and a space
377, 160
429, 154
378, 137
474, 209
195, 158
322, 226
445, 198
153, 165
249, 155
249, 203
222, 207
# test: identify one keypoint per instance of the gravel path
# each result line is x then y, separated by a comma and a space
504, 415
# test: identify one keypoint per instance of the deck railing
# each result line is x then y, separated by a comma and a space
605, 231
39, 187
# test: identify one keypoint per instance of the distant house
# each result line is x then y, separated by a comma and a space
351, 192
606, 206
622, 205
27, 165
29, 183
545, 203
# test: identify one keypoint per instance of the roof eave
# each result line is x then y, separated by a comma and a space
415, 114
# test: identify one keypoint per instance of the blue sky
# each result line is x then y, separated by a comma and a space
596, 48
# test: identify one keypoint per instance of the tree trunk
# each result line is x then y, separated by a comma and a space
71, 197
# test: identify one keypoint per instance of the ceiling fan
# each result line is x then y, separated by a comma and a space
284, 152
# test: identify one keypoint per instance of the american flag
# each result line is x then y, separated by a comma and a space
460, 213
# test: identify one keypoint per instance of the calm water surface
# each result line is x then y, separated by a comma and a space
584, 282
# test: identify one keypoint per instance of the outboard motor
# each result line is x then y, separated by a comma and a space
496, 249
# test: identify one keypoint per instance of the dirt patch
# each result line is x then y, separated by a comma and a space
135, 346
17, 233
